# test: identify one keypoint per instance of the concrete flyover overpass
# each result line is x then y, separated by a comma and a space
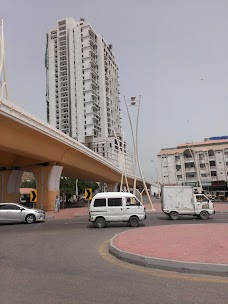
29, 144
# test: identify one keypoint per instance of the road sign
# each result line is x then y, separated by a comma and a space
33, 196
88, 193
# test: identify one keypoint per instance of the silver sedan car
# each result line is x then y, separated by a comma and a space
10, 212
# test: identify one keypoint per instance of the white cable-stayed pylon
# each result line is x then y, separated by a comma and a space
3, 82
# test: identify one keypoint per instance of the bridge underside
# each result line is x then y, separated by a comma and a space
23, 148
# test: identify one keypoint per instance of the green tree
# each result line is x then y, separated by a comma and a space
68, 185
28, 184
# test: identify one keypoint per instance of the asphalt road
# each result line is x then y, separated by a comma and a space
66, 261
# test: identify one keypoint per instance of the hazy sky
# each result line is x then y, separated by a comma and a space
172, 52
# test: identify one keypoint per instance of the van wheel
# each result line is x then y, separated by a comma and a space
204, 215
100, 222
174, 215
134, 221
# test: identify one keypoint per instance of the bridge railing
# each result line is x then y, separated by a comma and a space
9, 109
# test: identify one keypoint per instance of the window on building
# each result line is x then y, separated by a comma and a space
202, 165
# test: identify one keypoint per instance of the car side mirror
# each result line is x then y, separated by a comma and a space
22, 209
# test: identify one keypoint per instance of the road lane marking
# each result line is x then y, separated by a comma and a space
103, 252
76, 223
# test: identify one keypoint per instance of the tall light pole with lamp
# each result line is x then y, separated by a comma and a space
3, 82
136, 102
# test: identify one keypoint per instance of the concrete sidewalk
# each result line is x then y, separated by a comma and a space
79, 210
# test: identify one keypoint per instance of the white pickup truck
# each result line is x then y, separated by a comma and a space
181, 200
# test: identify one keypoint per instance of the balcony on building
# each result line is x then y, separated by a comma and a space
64, 111
188, 159
93, 50
94, 63
62, 48
211, 154
188, 156
62, 43
190, 169
94, 82
94, 70
94, 90
179, 177
191, 177
63, 59
95, 106
178, 167
62, 54
62, 32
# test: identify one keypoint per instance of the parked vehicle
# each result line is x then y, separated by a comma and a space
181, 200
10, 212
116, 207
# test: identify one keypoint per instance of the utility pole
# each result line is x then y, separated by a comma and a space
136, 102
3, 82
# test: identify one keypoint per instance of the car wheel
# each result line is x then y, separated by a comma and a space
30, 218
100, 222
174, 215
134, 221
204, 215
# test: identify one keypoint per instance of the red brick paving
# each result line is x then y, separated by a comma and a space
203, 243
83, 210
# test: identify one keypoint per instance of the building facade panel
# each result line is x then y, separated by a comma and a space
197, 164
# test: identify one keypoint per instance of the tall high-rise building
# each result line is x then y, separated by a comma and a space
83, 89
82, 82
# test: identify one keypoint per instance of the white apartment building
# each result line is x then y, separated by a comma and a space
199, 163
82, 85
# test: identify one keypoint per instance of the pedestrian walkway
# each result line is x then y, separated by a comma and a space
82, 209
196, 248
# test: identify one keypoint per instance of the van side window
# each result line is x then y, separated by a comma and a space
114, 202
132, 201
100, 202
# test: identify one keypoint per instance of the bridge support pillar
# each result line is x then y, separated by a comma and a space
113, 187
47, 185
10, 181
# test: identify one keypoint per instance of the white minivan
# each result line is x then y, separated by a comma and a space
116, 207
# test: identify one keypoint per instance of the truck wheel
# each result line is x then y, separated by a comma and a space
100, 222
174, 215
134, 221
204, 215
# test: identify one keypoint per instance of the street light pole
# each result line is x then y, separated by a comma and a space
3, 82
135, 102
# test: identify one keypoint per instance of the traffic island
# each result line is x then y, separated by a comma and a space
198, 248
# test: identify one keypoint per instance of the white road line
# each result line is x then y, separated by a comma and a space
77, 223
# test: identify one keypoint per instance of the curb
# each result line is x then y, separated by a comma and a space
165, 264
